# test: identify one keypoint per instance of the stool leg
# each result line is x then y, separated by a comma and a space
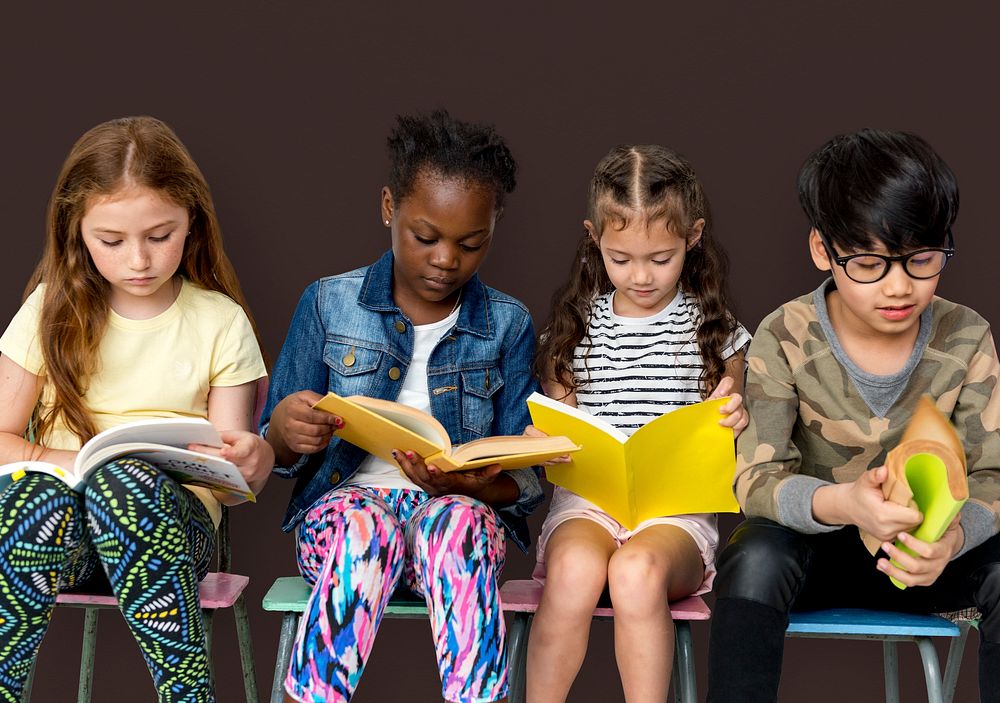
26, 691
932, 670
891, 663
206, 620
685, 684
246, 649
518, 657
289, 624
87, 654
955, 651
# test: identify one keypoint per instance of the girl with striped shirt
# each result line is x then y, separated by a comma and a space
643, 326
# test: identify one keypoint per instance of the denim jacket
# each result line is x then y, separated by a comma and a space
348, 336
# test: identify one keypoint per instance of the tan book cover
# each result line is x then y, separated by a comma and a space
927, 471
380, 426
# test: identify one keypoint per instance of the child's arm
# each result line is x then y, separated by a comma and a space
862, 502
300, 377
19, 392
769, 482
976, 417
558, 391
230, 410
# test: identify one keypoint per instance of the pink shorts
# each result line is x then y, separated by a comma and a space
702, 527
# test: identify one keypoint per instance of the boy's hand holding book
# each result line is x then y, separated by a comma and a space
925, 472
862, 502
921, 562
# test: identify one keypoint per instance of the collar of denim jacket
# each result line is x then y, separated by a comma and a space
474, 315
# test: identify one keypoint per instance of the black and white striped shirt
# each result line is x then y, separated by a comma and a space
634, 369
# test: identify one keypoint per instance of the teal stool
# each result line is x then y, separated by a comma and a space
890, 628
289, 596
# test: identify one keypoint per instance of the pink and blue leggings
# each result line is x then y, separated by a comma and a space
354, 545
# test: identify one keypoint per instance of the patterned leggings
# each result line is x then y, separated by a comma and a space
154, 541
354, 545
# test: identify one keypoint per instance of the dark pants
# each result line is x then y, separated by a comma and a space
768, 570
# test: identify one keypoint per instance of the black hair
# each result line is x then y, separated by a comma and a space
440, 144
879, 186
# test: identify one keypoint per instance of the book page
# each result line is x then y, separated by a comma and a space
683, 462
511, 452
173, 432
597, 471
377, 426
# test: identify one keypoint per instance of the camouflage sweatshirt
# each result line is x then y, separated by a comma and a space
809, 426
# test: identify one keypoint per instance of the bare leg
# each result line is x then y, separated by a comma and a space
659, 563
576, 565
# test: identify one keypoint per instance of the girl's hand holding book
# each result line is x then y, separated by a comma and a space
300, 429
735, 412
532, 431
476, 483
249, 452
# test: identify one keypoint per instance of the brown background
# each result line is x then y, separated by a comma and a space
286, 105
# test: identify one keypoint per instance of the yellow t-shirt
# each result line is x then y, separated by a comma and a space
160, 367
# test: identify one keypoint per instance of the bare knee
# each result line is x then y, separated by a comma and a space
576, 575
637, 579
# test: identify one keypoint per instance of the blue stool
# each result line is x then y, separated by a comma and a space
890, 628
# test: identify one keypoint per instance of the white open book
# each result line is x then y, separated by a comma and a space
160, 441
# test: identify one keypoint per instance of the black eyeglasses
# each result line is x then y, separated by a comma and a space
869, 268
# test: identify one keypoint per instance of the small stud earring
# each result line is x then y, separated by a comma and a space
387, 223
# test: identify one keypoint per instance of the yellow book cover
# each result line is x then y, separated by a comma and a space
926, 471
681, 462
380, 426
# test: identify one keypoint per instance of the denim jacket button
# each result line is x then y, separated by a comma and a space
400, 327
394, 373
349, 359
335, 477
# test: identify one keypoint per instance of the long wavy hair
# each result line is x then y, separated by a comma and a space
651, 182
123, 153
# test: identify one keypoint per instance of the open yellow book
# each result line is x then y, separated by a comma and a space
380, 426
681, 462
926, 471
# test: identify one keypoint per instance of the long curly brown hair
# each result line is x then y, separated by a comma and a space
127, 152
652, 182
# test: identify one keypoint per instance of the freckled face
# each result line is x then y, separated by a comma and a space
136, 240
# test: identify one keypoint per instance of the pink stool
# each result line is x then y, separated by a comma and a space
522, 598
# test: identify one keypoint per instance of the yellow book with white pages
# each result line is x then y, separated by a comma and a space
681, 462
381, 426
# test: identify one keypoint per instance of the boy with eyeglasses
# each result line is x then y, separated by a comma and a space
833, 379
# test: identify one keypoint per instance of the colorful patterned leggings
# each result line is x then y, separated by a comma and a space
354, 545
154, 541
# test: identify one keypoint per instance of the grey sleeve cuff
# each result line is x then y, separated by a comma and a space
978, 523
285, 471
794, 499
531, 492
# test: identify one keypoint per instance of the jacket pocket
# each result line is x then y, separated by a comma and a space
479, 387
351, 367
